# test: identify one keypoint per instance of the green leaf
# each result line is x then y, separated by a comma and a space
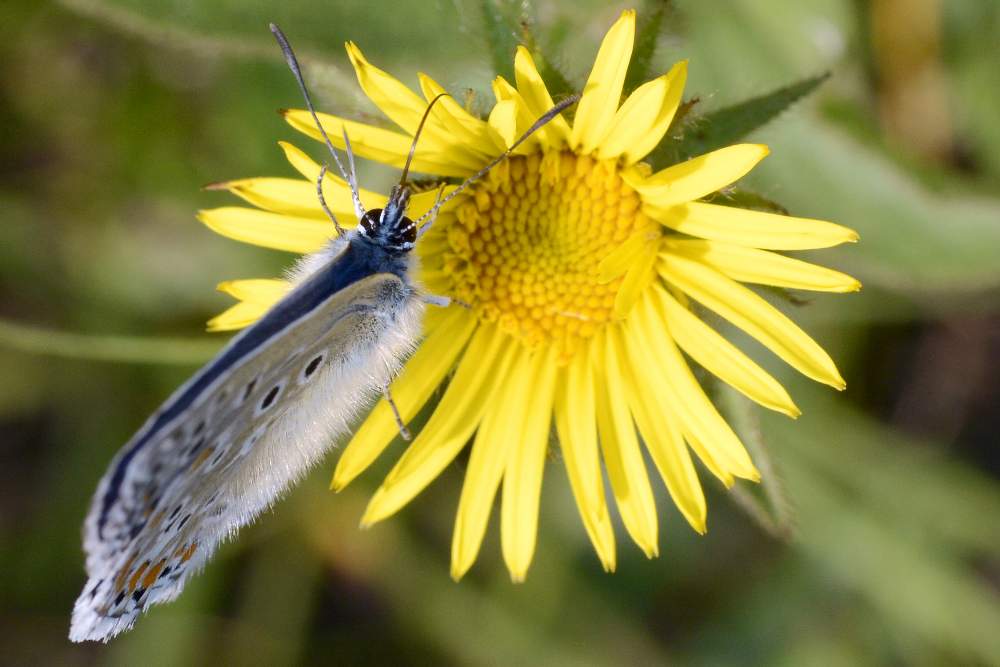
509, 24
501, 34
557, 82
647, 35
730, 125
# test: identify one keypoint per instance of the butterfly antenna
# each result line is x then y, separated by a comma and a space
542, 120
352, 180
293, 64
416, 135
322, 201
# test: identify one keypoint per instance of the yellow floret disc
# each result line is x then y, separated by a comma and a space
527, 242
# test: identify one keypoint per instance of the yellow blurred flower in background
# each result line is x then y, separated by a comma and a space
582, 271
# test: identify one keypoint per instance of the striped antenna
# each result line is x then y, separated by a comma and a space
293, 64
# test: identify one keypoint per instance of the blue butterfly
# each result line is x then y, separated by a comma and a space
234, 437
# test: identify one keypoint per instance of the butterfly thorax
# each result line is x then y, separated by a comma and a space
389, 227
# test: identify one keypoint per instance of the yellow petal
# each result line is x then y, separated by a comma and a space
676, 78
623, 458
335, 190
422, 202
751, 228
266, 291
754, 315
503, 119
536, 97
750, 265
475, 132
698, 176
699, 419
522, 482
499, 432
421, 375
721, 358
338, 194
617, 262
270, 230
377, 144
503, 91
595, 112
448, 430
647, 395
236, 317
644, 118
280, 195
257, 296
576, 424
406, 108
637, 279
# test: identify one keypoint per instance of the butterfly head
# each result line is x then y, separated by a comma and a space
389, 227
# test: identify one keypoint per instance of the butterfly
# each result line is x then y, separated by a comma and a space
275, 399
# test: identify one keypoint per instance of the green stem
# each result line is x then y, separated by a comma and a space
122, 349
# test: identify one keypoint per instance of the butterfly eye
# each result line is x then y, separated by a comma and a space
370, 223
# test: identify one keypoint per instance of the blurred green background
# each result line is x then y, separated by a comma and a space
884, 544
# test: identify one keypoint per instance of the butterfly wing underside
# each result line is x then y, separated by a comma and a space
244, 439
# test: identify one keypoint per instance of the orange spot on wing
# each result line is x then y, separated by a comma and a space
201, 458
155, 521
134, 581
123, 573
153, 573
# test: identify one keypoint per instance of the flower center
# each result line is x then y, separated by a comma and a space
525, 246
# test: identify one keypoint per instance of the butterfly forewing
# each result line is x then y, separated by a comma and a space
230, 454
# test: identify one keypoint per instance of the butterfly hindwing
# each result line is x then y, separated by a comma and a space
243, 439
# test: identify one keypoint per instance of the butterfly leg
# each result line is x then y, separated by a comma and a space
403, 431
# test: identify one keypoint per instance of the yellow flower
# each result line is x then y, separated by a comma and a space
582, 270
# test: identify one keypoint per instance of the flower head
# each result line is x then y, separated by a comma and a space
583, 275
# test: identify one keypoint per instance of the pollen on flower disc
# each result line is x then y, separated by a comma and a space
526, 244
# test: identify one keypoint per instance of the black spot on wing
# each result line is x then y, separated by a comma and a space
248, 390
270, 397
312, 366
